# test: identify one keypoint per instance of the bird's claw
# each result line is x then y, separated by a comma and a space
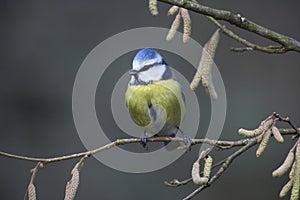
144, 142
187, 141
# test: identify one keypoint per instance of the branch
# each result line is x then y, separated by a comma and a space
286, 43
259, 136
72, 185
119, 142
250, 46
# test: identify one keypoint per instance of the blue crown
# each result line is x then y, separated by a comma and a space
147, 54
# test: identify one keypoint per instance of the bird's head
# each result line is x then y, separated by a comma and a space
147, 67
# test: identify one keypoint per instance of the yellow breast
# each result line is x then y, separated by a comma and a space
165, 93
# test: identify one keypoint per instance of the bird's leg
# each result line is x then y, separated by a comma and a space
186, 138
144, 141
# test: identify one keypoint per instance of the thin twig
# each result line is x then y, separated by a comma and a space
81, 161
35, 170
177, 183
250, 46
241, 49
119, 142
286, 119
288, 43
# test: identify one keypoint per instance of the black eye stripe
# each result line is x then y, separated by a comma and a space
146, 67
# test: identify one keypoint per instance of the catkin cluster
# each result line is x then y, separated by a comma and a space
291, 161
264, 133
196, 172
184, 14
203, 73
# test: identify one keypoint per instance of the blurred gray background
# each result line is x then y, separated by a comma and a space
43, 43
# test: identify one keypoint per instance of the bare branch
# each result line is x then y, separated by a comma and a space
250, 46
265, 131
286, 43
177, 183
219, 143
245, 144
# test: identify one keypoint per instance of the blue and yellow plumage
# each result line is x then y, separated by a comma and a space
155, 100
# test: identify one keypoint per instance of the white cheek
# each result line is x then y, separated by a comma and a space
145, 77
152, 74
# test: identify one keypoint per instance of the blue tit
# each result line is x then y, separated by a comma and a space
156, 101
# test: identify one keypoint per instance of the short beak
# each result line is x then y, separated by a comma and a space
133, 72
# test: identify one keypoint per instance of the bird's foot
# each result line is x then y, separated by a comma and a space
186, 139
144, 142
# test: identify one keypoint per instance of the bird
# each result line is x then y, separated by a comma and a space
154, 98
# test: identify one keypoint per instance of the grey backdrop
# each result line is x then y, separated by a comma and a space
42, 46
